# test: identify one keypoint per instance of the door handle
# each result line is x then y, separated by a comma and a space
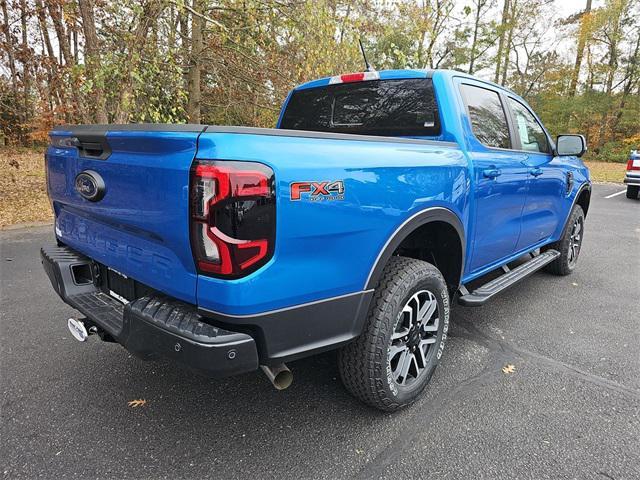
492, 172
536, 172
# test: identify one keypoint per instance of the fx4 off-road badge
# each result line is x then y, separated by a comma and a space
318, 191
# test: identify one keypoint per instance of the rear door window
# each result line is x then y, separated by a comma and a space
405, 107
488, 118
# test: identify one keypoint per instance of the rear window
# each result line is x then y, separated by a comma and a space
405, 107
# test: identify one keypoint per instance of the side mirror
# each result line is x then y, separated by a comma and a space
571, 145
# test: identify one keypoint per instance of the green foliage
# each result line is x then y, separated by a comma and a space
255, 51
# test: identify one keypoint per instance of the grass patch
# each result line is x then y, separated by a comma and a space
607, 171
23, 194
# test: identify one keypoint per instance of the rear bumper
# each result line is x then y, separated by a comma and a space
632, 179
152, 325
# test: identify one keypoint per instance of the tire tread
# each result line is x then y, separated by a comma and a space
361, 362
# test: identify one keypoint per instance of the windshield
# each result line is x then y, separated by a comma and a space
405, 107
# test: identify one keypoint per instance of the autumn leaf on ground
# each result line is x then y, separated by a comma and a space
137, 403
509, 368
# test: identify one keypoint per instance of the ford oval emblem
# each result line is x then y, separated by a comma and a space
90, 185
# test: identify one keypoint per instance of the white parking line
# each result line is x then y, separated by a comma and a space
615, 194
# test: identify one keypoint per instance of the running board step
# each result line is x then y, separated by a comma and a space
483, 293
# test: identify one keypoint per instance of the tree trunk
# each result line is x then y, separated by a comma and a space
26, 64
185, 54
92, 58
434, 32
505, 19
344, 22
582, 38
9, 46
173, 27
613, 61
55, 12
42, 21
151, 9
54, 89
507, 45
472, 55
631, 76
63, 39
75, 45
195, 65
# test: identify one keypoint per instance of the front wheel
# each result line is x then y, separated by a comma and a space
569, 245
392, 361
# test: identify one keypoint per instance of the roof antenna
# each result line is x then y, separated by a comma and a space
368, 67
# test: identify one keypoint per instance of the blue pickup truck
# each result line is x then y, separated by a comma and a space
379, 200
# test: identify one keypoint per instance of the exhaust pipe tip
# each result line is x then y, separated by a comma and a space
280, 376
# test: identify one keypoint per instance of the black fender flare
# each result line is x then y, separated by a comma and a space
428, 215
586, 186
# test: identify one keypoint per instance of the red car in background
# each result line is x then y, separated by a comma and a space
632, 177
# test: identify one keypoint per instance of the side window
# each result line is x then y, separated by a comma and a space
532, 136
488, 120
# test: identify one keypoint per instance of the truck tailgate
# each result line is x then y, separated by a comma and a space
141, 225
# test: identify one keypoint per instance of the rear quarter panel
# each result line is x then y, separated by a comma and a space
327, 248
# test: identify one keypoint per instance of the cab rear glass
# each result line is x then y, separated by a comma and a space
403, 107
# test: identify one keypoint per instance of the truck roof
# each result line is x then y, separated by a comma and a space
405, 73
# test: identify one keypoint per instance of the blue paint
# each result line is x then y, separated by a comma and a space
323, 249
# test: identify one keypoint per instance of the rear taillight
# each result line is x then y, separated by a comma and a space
633, 164
232, 217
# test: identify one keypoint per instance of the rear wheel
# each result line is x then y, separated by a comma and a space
389, 365
632, 191
569, 245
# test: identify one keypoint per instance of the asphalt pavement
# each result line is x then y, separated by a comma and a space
570, 409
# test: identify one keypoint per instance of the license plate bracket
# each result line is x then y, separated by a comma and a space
119, 286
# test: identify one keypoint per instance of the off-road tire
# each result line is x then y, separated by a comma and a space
632, 191
562, 265
363, 364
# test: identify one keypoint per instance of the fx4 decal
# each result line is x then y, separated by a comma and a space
318, 191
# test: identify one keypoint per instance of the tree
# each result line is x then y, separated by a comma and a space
582, 40
147, 14
9, 44
481, 7
92, 53
234, 61
503, 29
511, 25
195, 62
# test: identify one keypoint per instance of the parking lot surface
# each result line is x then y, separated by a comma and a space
570, 409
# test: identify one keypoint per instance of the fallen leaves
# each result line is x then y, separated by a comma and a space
508, 369
23, 193
137, 403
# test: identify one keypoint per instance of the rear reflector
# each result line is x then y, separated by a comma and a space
354, 77
232, 217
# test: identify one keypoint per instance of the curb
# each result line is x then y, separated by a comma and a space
25, 225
